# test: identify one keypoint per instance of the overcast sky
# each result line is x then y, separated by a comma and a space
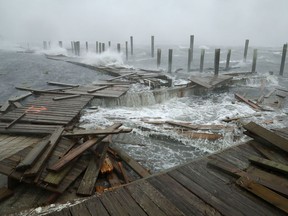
213, 22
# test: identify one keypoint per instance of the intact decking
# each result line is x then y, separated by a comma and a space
192, 189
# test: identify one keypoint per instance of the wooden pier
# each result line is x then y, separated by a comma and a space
225, 183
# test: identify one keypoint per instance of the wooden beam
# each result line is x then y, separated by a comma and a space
64, 161
124, 75
15, 99
131, 162
268, 164
264, 193
65, 97
248, 102
30, 159
97, 89
5, 106
267, 135
95, 132
14, 121
45, 156
62, 84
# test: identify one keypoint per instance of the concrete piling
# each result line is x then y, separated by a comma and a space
118, 47
283, 59
86, 46
245, 50
97, 47
216, 62
202, 60
189, 59
60, 44
228, 60
254, 60
152, 46
126, 49
131, 44
170, 55
158, 58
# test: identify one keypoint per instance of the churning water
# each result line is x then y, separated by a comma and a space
155, 145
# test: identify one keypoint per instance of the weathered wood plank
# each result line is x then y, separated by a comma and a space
62, 84
248, 102
14, 121
5, 106
121, 76
264, 193
79, 210
267, 135
95, 132
66, 97
45, 156
95, 207
16, 99
131, 162
5, 193
33, 155
268, 164
64, 161
97, 89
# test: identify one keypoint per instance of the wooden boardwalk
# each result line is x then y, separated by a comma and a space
197, 188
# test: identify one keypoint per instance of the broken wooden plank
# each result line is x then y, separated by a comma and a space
131, 162
281, 95
123, 172
62, 84
33, 155
193, 135
240, 117
66, 97
113, 180
14, 121
270, 93
5, 106
97, 89
107, 166
268, 164
45, 156
64, 161
248, 102
5, 193
17, 104
267, 135
96, 132
124, 75
264, 193
15, 99
200, 82
87, 185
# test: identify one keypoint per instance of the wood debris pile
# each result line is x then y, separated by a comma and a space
266, 176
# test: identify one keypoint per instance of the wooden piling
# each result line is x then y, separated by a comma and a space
78, 48
97, 47
152, 46
60, 44
109, 44
216, 62
118, 47
72, 47
103, 47
191, 46
246, 50
170, 55
202, 60
158, 58
126, 47
86, 46
100, 47
228, 60
283, 59
131, 44
49, 45
189, 60
254, 60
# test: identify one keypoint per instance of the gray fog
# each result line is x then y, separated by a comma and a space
213, 22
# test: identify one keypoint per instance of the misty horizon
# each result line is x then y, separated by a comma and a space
213, 22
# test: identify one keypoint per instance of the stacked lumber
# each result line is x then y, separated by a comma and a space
65, 157
267, 175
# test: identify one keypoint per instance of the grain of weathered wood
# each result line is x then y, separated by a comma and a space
268, 164
79, 210
45, 156
33, 155
264, 193
78, 150
97, 89
15, 120
15, 99
62, 84
267, 135
243, 99
5, 193
66, 97
95, 207
5, 106
96, 132
131, 162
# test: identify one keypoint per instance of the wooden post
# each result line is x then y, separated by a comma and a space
97, 47
72, 47
100, 47
103, 47
170, 55
216, 62
246, 50
126, 46
189, 60
152, 46
49, 44
202, 60
131, 44
228, 60
60, 44
118, 47
158, 58
86, 46
45, 45
78, 48
283, 59
109, 44
254, 60
191, 46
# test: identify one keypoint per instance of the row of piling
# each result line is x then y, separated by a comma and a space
100, 47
